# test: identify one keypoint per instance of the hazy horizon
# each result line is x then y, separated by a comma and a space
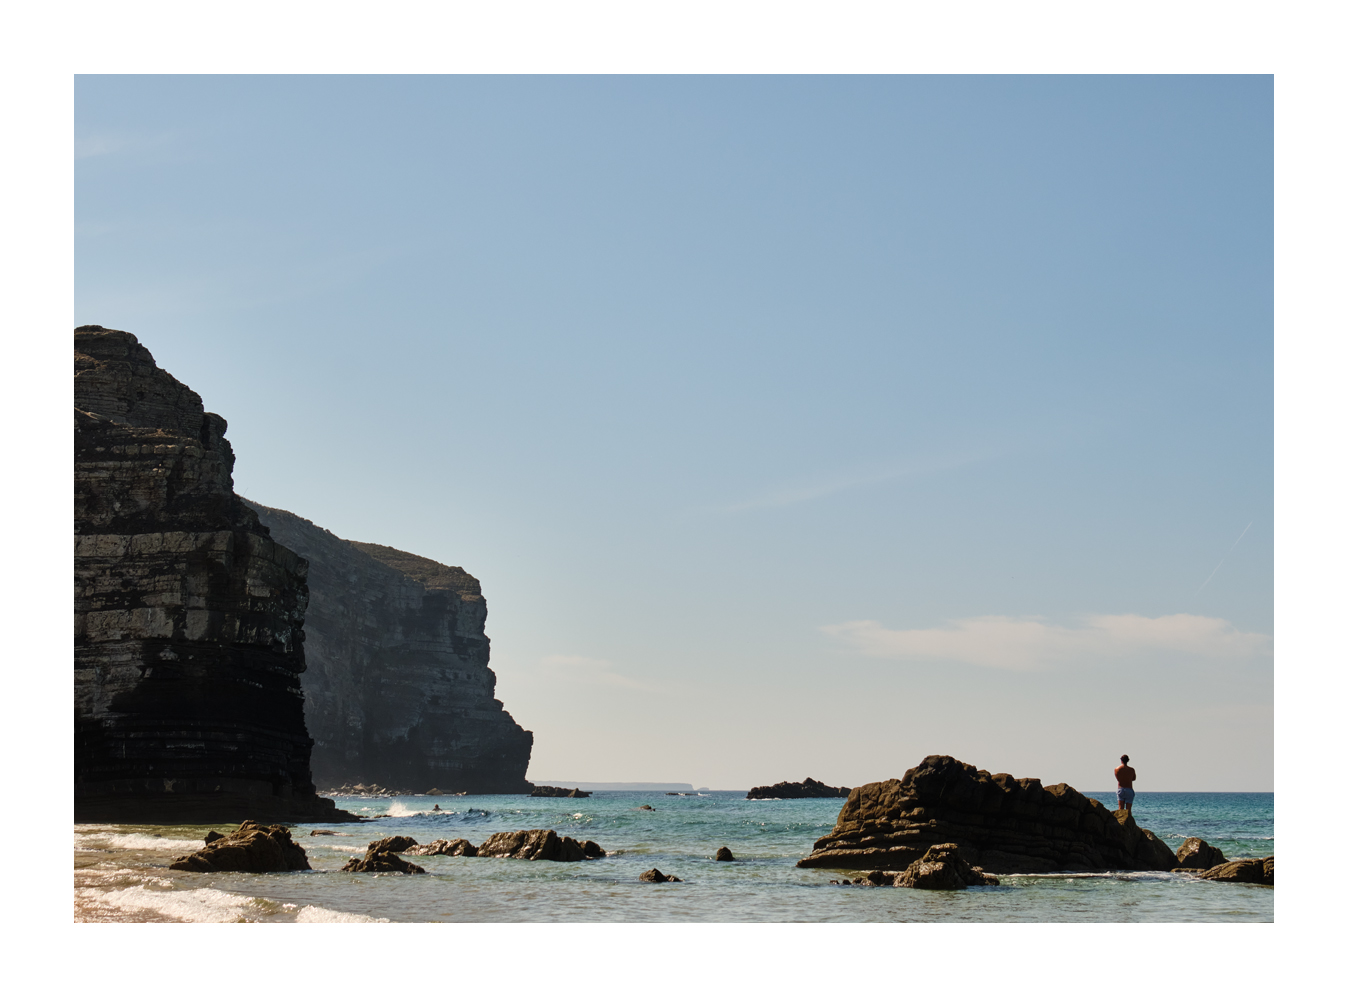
794, 426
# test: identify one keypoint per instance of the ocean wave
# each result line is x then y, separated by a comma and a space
143, 842
202, 906
321, 915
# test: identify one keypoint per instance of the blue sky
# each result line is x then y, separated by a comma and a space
794, 425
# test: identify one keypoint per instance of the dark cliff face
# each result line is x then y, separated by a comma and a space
398, 690
188, 639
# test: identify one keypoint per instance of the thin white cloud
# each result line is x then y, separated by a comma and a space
588, 671
1026, 643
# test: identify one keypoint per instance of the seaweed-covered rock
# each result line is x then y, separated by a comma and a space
1196, 854
536, 845
382, 862
1242, 871
807, 790
459, 846
1000, 823
656, 876
557, 791
396, 843
252, 848
942, 868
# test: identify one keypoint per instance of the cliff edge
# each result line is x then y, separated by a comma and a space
188, 617
398, 689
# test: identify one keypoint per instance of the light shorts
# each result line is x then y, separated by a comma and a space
1125, 796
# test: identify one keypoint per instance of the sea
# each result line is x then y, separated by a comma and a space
122, 871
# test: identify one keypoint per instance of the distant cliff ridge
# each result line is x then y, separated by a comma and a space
398, 690
188, 640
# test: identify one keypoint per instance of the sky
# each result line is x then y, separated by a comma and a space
795, 426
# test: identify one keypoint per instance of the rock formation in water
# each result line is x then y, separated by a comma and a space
1000, 823
1196, 855
1258, 871
560, 791
188, 640
810, 789
398, 690
252, 848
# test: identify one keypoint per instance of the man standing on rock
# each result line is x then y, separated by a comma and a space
1125, 774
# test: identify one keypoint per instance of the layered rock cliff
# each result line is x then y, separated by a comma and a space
398, 690
188, 640
1000, 823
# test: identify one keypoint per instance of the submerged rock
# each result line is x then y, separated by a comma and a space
557, 791
252, 848
459, 846
1242, 871
537, 845
942, 868
999, 823
1196, 854
382, 862
807, 790
724, 854
656, 876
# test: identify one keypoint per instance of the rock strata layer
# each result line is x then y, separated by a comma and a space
398, 690
252, 848
999, 823
807, 790
188, 615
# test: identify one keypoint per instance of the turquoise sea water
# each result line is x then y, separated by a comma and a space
121, 872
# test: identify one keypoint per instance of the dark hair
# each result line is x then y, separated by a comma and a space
1124, 759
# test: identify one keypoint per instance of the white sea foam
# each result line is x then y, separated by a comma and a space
321, 915
396, 809
203, 905
143, 842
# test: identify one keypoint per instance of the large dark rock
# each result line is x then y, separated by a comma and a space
188, 615
807, 790
537, 845
252, 848
557, 791
459, 846
396, 843
1242, 871
942, 868
382, 862
398, 690
656, 876
1000, 823
1196, 854
724, 854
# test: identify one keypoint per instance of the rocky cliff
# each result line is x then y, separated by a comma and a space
398, 690
188, 640
1000, 823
